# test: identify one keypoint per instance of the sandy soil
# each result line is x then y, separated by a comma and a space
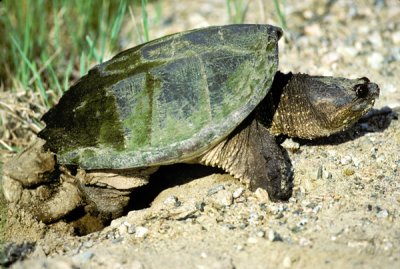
344, 212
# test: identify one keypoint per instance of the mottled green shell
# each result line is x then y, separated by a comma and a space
165, 101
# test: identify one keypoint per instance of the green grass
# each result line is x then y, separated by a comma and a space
236, 10
45, 41
281, 14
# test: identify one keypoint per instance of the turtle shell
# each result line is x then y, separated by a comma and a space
165, 101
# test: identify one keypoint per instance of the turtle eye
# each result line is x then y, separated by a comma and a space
361, 90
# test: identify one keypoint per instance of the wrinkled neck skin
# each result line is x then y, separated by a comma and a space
313, 106
294, 115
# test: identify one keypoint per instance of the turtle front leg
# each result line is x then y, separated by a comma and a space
252, 155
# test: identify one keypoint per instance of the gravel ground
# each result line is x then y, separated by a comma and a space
345, 208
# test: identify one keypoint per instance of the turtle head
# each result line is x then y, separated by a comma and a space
315, 106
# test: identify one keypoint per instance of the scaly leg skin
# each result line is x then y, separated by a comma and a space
252, 155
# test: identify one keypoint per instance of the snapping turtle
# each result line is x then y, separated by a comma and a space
212, 96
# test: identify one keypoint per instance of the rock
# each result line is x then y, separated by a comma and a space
261, 195
215, 189
396, 37
223, 198
172, 201
15, 252
252, 240
319, 172
86, 256
141, 232
273, 236
304, 242
291, 145
287, 262
255, 218
375, 60
376, 40
382, 214
238, 192
346, 160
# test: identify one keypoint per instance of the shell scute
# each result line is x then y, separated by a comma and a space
165, 101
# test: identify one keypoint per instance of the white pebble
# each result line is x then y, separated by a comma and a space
346, 160
274, 236
261, 194
223, 198
238, 192
141, 232
375, 60
252, 240
376, 39
287, 262
396, 37
304, 242
171, 201
383, 214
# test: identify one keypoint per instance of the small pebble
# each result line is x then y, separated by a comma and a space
375, 60
273, 236
141, 232
302, 222
131, 229
88, 244
239, 247
376, 39
200, 206
313, 30
252, 240
396, 37
172, 201
261, 195
304, 242
238, 192
86, 256
327, 175
122, 229
291, 145
316, 209
223, 198
346, 160
287, 262
319, 172
260, 233
382, 214
254, 218
215, 189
